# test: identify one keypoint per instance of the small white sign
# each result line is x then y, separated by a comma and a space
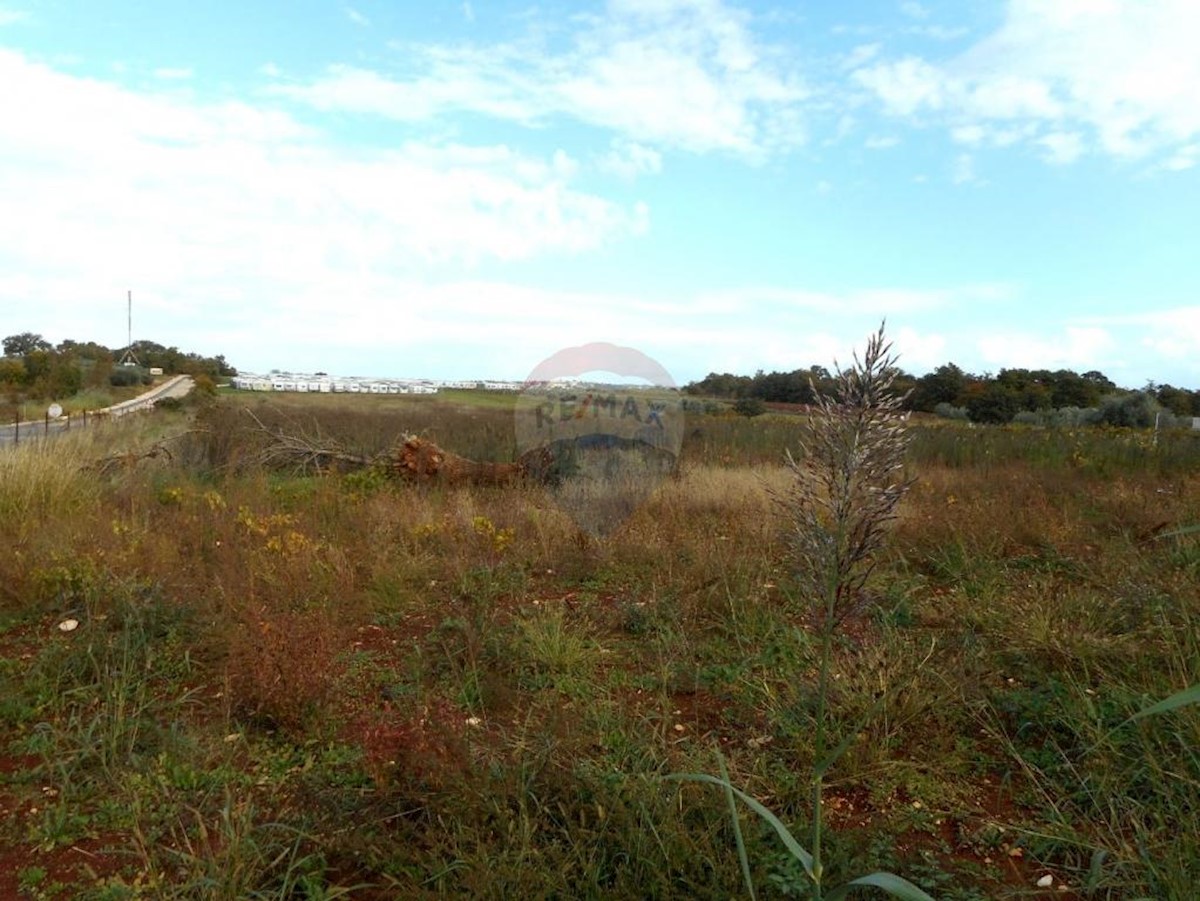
55, 411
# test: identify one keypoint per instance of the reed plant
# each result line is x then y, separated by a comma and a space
847, 484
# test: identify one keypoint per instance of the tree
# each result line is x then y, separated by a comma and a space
996, 403
750, 406
1134, 409
12, 371
1177, 400
945, 385
1069, 389
26, 342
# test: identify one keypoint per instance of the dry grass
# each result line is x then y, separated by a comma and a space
459, 690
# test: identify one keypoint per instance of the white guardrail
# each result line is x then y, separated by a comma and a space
37, 428
142, 401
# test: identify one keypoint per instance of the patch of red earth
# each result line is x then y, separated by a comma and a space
83, 862
1006, 863
86, 862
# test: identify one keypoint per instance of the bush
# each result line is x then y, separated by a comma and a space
128, 376
1136, 409
750, 406
949, 411
1064, 418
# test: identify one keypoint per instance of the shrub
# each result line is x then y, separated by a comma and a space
949, 411
128, 376
1137, 409
750, 406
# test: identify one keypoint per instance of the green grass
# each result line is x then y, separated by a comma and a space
294, 687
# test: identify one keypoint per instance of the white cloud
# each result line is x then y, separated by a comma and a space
270, 70
971, 135
860, 55
937, 32
1185, 158
1062, 147
173, 74
1172, 334
920, 352
216, 205
878, 142
1078, 347
906, 86
1122, 77
914, 10
678, 73
357, 18
468, 12
628, 160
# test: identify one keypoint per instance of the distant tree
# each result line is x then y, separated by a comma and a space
126, 376
1030, 390
26, 342
1100, 380
724, 384
98, 371
1133, 409
12, 371
1177, 400
1069, 389
83, 350
750, 406
37, 364
945, 385
204, 386
995, 403
63, 380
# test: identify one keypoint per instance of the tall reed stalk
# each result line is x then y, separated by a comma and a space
847, 485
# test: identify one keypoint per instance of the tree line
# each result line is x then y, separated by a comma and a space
34, 369
1032, 395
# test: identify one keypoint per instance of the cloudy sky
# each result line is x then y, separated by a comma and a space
460, 189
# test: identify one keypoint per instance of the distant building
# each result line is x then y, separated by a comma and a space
321, 383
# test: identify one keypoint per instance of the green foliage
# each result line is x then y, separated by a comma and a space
948, 411
993, 402
1136, 409
127, 376
944, 386
750, 406
24, 343
12, 371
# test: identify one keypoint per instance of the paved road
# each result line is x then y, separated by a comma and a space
176, 386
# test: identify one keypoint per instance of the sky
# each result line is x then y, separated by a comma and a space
462, 189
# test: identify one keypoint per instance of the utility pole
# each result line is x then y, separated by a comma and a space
129, 358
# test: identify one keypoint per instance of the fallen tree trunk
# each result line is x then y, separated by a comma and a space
412, 459
416, 459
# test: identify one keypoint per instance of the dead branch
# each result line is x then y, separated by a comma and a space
127, 460
412, 459
304, 452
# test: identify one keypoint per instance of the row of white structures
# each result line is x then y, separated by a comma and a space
326, 384
287, 381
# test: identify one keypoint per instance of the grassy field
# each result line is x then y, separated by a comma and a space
285, 686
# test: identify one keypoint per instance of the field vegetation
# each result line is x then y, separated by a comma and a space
223, 681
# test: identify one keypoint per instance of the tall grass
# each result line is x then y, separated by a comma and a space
40, 480
333, 680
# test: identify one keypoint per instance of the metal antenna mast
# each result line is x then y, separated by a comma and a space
129, 358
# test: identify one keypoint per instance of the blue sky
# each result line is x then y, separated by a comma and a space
455, 189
